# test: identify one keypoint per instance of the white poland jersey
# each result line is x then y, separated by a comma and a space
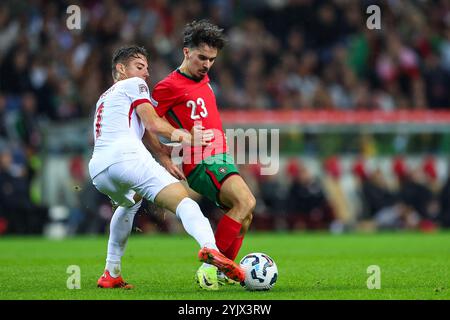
117, 128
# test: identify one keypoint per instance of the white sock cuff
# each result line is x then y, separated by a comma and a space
134, 208
186, 203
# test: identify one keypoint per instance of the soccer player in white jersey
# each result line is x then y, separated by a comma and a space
122, 168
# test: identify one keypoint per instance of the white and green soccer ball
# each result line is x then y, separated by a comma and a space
261, 272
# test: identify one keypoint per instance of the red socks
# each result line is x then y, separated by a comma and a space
233, 250
227, 237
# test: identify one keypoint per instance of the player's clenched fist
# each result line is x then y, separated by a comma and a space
200, 136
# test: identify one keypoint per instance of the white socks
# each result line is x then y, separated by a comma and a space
188, 211
120, 229
195, 223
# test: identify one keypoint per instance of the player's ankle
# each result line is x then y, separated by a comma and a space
114, 269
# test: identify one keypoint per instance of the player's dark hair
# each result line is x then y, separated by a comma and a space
124, 54
198, 32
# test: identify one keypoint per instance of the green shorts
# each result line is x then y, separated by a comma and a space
208, 176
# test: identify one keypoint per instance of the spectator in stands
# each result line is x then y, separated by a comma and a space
15, 71
26, 124
344, 217
306, 203
436, 83
414, 193
383, 209
269, 195
22, 216
375, 193
430, 172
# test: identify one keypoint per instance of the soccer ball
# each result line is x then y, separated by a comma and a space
261, 272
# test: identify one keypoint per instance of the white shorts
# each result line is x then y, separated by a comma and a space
122, 180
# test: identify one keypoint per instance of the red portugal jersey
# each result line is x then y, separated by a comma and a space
184, 102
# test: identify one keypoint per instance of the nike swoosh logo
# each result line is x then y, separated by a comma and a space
206, 281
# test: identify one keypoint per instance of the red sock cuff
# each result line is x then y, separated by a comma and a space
227, 230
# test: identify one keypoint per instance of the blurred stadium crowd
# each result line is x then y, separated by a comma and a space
282, 54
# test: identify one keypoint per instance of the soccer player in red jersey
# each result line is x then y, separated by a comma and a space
123, 169
185, 98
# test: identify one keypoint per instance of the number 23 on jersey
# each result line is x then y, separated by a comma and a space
199, 103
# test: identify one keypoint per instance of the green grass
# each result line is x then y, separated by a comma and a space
311, 266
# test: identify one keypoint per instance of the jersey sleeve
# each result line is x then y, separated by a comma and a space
162, 98
137, 90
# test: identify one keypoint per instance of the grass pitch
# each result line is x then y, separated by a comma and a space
311, 266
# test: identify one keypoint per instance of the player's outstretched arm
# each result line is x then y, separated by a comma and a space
154, 124
152, 143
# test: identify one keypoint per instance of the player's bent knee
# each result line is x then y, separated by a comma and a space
251, 203
171, 196
247, 205
243, 210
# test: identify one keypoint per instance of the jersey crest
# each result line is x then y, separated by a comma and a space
143, 88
